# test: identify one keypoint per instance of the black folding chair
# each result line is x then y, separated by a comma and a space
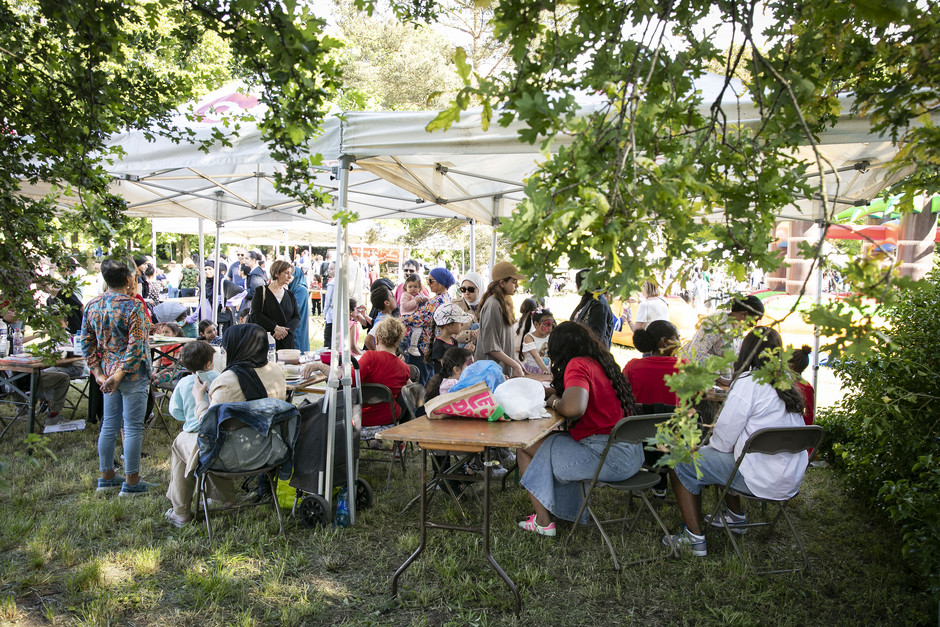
630, 430
378, 394
772, 441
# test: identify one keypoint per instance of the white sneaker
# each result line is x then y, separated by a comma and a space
686, 538
734, 521
413, 350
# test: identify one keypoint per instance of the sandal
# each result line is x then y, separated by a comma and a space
529, 524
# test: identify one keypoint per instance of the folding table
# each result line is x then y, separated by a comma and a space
469, 435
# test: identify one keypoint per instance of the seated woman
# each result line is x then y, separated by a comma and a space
248, 376
750, 406
593, 395
646, 375
382, 365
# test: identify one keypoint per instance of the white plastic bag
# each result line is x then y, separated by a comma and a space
522, 398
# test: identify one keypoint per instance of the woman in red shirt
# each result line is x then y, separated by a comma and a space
593, 395
647, 374
383, 366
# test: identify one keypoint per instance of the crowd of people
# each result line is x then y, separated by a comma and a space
423, 333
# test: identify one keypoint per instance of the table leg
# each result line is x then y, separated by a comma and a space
31, 416
486, 532
424, 528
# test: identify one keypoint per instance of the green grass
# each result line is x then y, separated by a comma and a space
70, 556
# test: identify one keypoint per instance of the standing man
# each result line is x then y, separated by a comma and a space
255, 277
233, 274
114, 344
328, 306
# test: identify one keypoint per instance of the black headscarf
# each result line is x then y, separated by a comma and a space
246, 348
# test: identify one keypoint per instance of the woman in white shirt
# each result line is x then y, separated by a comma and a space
750, 406
654, 307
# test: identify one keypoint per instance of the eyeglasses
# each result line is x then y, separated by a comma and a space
470, 289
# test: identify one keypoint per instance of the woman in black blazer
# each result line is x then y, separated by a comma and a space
274, 307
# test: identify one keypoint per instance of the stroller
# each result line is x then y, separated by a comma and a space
310, 506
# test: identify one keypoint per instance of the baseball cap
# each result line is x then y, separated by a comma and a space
449, 312
505, 270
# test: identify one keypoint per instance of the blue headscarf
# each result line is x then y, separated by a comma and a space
299, 281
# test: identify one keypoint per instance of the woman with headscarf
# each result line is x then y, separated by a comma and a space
248, 376
274, 307
298, 287
439, 281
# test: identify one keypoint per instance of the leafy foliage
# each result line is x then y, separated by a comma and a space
75, 73
388, 65
886, 432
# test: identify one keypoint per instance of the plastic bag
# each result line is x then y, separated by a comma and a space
522, 398
487, 371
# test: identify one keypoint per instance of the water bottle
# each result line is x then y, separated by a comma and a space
342, 510
17, 341
272, 353
4, 340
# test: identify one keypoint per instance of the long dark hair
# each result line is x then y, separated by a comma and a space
752, 356
569, 340
532, 319
495, 290
452, 358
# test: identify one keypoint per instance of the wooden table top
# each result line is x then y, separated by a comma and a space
304, 385
471, 435
34, 363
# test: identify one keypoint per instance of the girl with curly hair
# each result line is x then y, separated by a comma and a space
592, 394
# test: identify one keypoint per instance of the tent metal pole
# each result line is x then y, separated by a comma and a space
217, 284
344, 164
819, 286
201, 288
473, 246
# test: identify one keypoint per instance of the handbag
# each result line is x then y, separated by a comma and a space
475, 401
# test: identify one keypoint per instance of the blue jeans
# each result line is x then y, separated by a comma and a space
716, 467
555, 473
424, 372
127, 407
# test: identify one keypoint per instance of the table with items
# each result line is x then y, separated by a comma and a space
468, 435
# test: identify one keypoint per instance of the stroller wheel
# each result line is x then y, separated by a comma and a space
363, 494
313, 511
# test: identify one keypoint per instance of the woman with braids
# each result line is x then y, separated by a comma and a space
750, 406
592, 395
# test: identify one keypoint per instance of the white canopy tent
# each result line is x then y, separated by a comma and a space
385, 165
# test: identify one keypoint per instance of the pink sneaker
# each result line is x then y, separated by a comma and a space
529, 524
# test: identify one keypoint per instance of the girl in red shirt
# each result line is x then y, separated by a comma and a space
647, 374
593, 395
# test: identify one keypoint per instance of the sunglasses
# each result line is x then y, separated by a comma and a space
411, 270
468, 289
431, 281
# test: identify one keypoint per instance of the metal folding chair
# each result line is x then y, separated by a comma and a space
80, 385
630, 430
772, 441
377, 394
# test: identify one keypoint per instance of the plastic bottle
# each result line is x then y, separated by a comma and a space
4, 340
17, 341
342, 510
272, 353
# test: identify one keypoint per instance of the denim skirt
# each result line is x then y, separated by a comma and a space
561, 463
